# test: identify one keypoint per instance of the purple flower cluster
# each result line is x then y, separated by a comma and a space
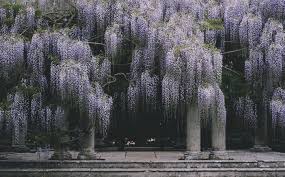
246, 110
12, 50
278, 108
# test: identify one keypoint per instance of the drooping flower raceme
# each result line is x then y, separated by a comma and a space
250, 30
74, 88
11, 54
278, 108
246, 110
113, 40
19, 116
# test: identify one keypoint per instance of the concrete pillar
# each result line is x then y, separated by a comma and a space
193, 130
218, 134
87, 151
61, 149
19, 134
261, 131
218, 138
87, 141
193, 134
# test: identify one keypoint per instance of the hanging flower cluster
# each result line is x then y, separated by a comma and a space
17, 20
246, 110
100, 69
113, 40
255, 68
271, 28
206, 96
104, 71
171, 86
19, 117
94, 17
86, 14
161, 43
250, 30
69, 49
274, 9
213, 25
133, 98
45, 118
244, 19
101, 107
36, 106
149, 91
185, 63
12, 50
24, 21
192, 70
277, 108
38, 50
234, 12
274, 61
72, 84
261, 32
51, 118
62, 65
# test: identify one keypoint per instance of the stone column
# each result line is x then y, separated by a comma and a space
261, 131
61, 149
193, 130
87, 142
218, 134
19, 134
193, 133
218, 137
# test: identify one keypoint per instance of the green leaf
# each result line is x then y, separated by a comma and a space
212, 24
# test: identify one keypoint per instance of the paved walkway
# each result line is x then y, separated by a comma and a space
151, 156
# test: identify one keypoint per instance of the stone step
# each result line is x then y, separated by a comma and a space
145, 172
97, 164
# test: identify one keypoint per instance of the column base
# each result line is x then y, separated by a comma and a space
219, 155
260, 148
61, 155
197, 155
87, 155
206, 155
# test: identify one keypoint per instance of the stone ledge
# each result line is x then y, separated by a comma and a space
146, 170
77, 164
